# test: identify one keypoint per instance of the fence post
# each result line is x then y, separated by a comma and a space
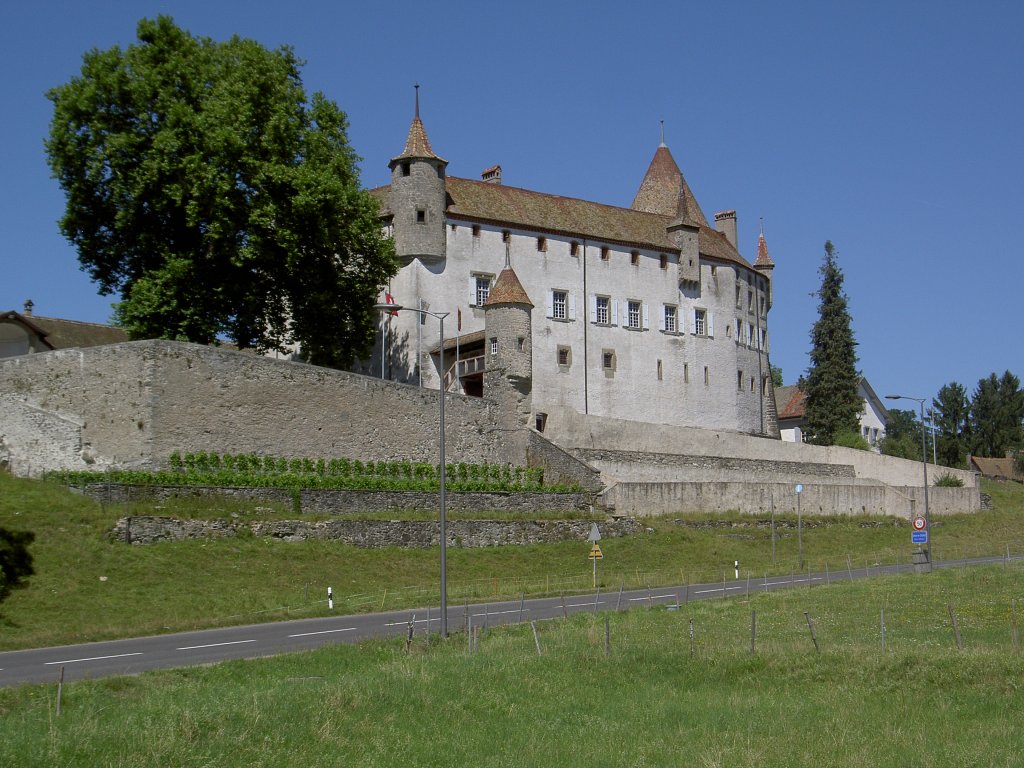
814, 635
753, 632
956, 627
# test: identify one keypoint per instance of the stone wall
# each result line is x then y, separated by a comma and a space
857, 498
349, 502
374, 534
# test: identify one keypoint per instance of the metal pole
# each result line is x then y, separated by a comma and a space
924, 465
444, 498
800, 531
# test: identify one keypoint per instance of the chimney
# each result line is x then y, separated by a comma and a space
28, 307
725, 222
492, 175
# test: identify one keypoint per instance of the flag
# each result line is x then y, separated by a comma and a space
460, 319
389, 299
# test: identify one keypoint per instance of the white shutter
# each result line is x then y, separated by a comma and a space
551, 304
661, 320
572, 306
647, 317
593, 308
472, 290
711, 324
681, 320
615, 312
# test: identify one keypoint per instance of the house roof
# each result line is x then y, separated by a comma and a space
791, 402
1000, 469
64, 334
507, 290
417, 145
664, 191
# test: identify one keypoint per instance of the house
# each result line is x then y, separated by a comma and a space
996, 469
792, 404
646, 313
23, 333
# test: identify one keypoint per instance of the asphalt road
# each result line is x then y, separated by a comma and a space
135, 655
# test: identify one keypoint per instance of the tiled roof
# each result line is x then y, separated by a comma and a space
664, 191
416, 143
64, 334
507, 290
791, 402
763, 259
996, 468
503, 205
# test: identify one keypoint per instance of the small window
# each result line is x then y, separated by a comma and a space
751, 383
601, 316
476, 230
633, 310
505, 235
739, 380
494, 345
750, 301
521, 343
560, 305
421, 216
482, 289
707, 377
542, 244
608, 360
406, 169
686, 373
574, 248
714, 270
564, 357
670, 319
663, 261
738, 293
605, 253
541, 421
700, 322
659, 370
634, 258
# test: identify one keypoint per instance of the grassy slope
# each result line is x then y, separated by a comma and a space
651, 702
194, 584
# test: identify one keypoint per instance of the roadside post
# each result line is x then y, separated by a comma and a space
799, 524
595, 549
919, 535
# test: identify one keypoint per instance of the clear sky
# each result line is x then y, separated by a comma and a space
893, 129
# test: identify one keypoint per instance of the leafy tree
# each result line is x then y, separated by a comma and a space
15, 560
776, 376
951, 411
833, 402
902, 435
205, 188
997, 416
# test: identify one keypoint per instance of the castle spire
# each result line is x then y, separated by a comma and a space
417, 145
763, 259
664, 190
663, 144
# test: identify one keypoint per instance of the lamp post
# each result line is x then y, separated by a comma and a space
391, 308
924, 465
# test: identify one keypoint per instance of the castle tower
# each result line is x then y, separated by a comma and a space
418, 196
764, 263
508, 348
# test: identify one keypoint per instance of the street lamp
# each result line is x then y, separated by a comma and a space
924, 465
392, 308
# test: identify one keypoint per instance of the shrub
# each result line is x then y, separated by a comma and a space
949, 481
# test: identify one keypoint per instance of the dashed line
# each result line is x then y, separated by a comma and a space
93, 658
501, 613
213, 645
324, 632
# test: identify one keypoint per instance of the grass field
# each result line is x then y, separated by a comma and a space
88, 587
651, 699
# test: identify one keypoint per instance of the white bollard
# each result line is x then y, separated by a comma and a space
330, 598
736, 563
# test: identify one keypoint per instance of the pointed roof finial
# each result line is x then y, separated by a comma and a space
417, 87
662, 144
764, 261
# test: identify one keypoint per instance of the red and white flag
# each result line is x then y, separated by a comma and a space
389, 299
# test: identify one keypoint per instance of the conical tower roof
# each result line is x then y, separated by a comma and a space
664, 191
417, 144
508, 290
763, 259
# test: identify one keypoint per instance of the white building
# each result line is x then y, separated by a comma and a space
792, 405
644, 313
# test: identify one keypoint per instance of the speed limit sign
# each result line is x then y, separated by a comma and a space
919, 523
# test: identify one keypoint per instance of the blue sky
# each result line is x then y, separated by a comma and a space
892, 129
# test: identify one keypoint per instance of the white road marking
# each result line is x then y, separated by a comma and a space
93, 658
499, 613
645, 599
324, 632
213, 645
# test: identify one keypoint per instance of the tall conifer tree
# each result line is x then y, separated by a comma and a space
833, 402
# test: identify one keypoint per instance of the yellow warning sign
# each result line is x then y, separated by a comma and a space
595, 553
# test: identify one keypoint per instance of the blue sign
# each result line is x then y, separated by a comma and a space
919, 537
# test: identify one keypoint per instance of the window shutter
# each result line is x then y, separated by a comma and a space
681, 320
572, 306
593, 308
472, 290
647, 317
661, 320
615, 312
711, 324
551, 304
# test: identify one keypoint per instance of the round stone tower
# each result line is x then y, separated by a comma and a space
508, 349
418, 197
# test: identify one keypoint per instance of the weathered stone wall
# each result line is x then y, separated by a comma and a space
856, 498
374, 534
349, 502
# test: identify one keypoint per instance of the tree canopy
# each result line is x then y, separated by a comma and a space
219, 201
834, 404
997, 416
951, 409
15, 559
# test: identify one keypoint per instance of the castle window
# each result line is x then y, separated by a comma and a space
476, 230
762, 306
505, 235
739, 380
659, 370
714, 270
406, 169
601, 314
560, 305
633, 309
606, 253
494, 345
750, 301
738, 292
634, 258
564, 357
700, 322
707, 376
608, 359
751, 383
669, 324
521, 343
479, 289
542, 244
686, 373
574, 248
663, 261
421, 216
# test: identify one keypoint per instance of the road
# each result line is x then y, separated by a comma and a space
135, 655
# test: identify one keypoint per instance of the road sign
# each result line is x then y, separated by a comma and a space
799, 487
595, 553
919, 537
595, 534
919, 523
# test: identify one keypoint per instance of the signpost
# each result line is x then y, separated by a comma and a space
595, 549
920, 533
799, 524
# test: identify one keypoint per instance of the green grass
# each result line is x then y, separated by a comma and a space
194, 584
651, 701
